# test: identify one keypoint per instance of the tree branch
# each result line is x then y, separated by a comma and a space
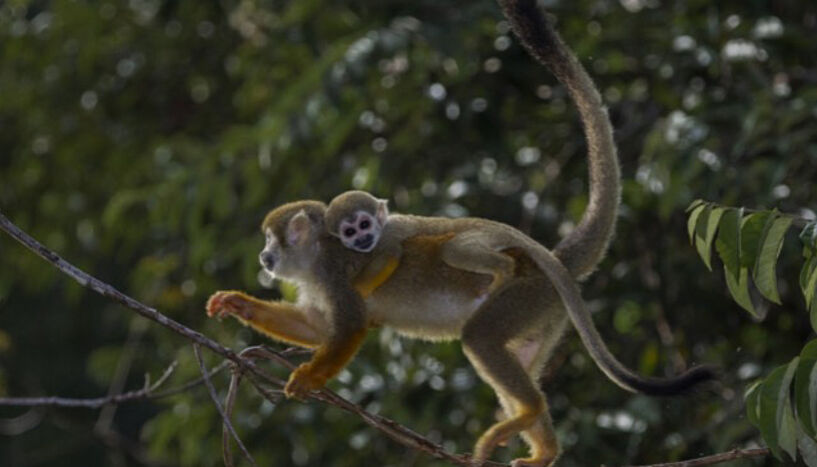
148, 392
224, 417
389, 427
714, 458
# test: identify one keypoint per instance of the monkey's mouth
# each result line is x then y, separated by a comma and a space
365, 243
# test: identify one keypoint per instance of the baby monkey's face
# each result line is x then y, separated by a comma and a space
360, 231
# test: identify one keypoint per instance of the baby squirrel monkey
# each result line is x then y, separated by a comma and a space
507, 330
363, 224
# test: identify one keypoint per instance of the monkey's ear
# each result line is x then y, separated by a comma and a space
382, 211
298, 228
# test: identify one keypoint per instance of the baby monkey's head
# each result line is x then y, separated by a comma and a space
357, 218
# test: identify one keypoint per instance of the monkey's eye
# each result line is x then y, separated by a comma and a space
349, 232
365, 224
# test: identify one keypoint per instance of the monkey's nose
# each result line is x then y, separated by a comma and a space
267, 260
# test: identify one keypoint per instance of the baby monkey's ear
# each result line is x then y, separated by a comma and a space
382, 213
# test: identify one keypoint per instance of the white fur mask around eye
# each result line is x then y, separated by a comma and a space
360, 232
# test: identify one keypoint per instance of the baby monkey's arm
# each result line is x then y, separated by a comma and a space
385, 260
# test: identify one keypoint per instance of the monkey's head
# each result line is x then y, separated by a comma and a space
357, 218
293, 235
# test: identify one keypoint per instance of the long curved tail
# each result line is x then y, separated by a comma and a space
568, 290
584, 248
580, 252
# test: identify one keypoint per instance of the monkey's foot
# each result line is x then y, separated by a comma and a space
533, 462
302, 381
227, 303
485, 446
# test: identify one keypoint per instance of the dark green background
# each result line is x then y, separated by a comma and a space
145, 140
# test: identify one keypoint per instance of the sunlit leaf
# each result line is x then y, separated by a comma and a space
694, 205
805, 388
771, 243
728, 241
692, 222
809, 235
703, 241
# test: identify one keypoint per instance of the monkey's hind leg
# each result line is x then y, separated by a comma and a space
469, 251
507, 315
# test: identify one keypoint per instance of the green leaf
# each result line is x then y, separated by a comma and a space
751, 230
805, 275
708, 226
813, 315
777, 424
728, 241
694, 205
752, 398
808, 448
693, 221
808, 280
809, 236
771, 243
739, 289
805, 388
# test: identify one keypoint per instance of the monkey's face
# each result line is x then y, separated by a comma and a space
360, 231
271, 253
292, 256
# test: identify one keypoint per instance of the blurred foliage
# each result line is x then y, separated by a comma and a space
145, 140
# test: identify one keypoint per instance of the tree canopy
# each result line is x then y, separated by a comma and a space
145, 140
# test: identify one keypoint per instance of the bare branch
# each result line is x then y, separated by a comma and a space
714, 458
258, 377
137, 329
389, 427
149, 392
229, 403
212, 390
104, 289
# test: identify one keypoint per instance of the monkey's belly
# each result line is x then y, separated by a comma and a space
424, 297
432, 315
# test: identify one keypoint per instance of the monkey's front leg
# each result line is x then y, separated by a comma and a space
281, 321
347, 330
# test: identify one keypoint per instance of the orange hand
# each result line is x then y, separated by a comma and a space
227, 303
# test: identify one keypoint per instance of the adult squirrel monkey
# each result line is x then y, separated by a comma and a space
507, 330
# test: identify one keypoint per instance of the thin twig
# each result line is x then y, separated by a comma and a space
389, 427
106, 290
212, 390
229, 403
714, 458
97, 402
137, 329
